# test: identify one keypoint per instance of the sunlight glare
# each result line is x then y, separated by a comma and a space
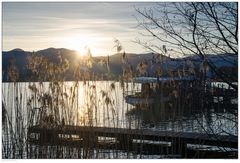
81, 44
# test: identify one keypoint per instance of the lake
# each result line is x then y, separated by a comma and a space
102, 103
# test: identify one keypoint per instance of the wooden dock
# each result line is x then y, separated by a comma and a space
128, 135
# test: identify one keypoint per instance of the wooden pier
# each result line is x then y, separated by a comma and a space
83, 135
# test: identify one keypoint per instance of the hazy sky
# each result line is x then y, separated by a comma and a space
35, 26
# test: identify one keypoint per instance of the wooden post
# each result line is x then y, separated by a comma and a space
125, 141
179, 147
183, 148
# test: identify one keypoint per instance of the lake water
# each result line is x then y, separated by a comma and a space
76, 103
102, 103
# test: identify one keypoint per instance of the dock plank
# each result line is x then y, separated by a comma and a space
144, 134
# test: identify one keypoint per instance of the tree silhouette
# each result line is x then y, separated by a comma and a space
193, 28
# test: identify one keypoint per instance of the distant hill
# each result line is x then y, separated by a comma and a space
116, 63
19, 58
17, 50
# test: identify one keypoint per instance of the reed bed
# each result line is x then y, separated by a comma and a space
90, 102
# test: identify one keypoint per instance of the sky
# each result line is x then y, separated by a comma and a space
77, 26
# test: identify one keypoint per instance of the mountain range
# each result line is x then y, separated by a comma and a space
105, 67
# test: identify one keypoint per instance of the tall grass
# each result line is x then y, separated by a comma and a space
89, 102
52, 104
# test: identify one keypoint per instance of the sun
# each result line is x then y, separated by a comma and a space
81, 44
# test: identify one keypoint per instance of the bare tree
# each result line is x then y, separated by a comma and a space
193, 28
